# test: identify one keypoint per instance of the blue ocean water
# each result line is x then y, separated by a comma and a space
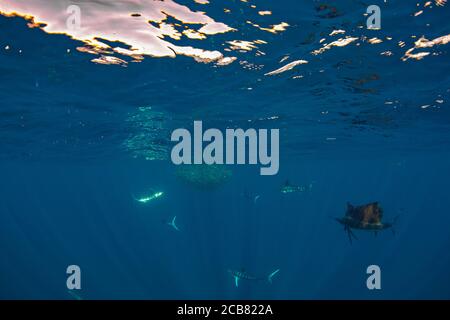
80, 142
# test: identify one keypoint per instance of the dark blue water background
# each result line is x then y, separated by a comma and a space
68, 171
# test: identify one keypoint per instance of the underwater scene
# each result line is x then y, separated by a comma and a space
224, 149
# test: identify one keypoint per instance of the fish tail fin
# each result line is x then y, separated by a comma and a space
173, 224
74, 295
270, 276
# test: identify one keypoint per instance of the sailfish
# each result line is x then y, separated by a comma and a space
364, 217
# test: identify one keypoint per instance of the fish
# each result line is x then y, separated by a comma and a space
243, 275
74, 295
289, 188
149, 198
364, 217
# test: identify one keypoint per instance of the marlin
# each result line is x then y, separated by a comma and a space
289, 188
149, 198
172, 223
242, 275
